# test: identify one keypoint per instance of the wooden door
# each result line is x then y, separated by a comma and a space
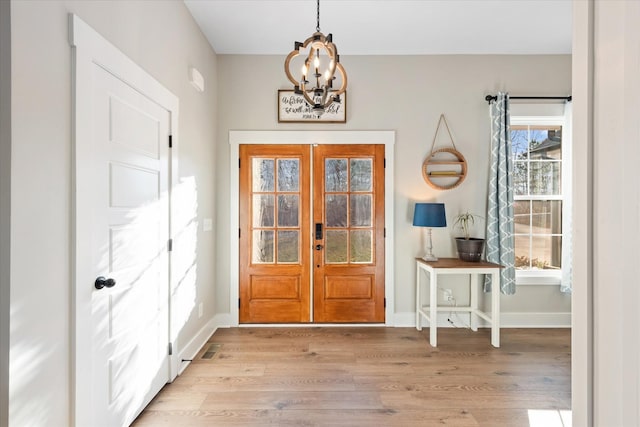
282, 250
274, 233
348, 223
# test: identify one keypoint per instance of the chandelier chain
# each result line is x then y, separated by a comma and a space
318, 16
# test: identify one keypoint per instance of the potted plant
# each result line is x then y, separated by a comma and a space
469, 248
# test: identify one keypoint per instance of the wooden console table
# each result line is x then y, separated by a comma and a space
456, 266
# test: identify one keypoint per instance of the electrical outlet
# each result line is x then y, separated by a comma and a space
447, 294
200, 310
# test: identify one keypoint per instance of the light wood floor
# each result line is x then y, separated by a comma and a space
351, 376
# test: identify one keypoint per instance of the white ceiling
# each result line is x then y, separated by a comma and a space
388, 27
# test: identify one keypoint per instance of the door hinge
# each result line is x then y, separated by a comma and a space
170, 245
170, 141
170, 349
239, 233
385, 303
384, 163
238, 302
384, 232
239, 162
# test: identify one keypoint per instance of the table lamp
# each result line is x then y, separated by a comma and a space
429, 215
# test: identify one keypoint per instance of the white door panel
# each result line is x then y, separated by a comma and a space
134, 128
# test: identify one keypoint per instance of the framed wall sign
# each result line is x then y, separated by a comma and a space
292, 108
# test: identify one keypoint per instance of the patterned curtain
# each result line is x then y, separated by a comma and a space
500, 241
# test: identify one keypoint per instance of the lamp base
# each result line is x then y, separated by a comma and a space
428, 253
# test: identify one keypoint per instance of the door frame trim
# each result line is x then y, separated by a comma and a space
236, 138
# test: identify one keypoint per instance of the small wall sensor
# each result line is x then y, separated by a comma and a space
196, 79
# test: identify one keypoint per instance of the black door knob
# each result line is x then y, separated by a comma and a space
102, 282
318, 247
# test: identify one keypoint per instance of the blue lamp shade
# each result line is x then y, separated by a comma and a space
429, 215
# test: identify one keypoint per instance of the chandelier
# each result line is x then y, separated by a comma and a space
318, 72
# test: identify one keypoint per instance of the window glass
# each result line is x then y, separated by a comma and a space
538, 191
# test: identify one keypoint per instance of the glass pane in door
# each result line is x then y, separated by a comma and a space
288, 174
262, 247
361, 174
335, 175
263, 174
288, 247
288, 210
360, 210
361, 246
336, 249
263, 210
336, 208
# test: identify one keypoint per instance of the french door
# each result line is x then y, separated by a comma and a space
311, 233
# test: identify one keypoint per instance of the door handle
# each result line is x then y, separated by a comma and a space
318, 247
102, 282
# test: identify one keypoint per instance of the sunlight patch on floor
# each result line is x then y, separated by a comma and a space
549, 418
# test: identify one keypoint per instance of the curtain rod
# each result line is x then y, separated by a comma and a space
490, 98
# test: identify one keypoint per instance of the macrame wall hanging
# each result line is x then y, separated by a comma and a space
444, 168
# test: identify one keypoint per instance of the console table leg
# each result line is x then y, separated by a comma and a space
474, 302
433, 309
495, 309
418, 302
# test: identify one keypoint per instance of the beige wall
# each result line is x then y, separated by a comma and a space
162, 38
5, 203
405, 94
616, 212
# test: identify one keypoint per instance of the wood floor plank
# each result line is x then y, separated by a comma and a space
368, 376
462, 382
492, 400
292, 400
317, 382
343, 418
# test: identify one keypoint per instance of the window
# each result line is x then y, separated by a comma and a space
539, 192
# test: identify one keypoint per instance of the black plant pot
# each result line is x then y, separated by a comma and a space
470, 249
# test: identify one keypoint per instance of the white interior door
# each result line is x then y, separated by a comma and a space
130, 220
122, 180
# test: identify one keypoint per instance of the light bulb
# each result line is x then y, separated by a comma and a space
316, 62
304, 71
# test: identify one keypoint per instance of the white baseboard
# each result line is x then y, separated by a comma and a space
408, 320
535, 320
222, 320
191, 349
507, 320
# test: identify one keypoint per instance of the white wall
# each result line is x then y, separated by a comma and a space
5, 203
616, 213
582, 296
406, 94
162, 38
